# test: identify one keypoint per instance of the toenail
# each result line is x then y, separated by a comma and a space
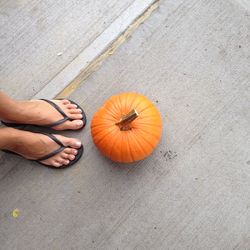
79, 122
78, 143
75, 152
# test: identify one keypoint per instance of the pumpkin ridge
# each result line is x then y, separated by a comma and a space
147, 107
149, 133
118, 105
122, 107
138, 143
149, 116
127, 99
112, 111
123, 142
112, 147
145, 140
129, 146
152, 125
135, 106
102, 122
132, 103
104, 136
96, 130
116, 108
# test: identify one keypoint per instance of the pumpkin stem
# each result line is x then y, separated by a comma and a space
127, 119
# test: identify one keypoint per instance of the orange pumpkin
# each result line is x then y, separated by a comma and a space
126, 128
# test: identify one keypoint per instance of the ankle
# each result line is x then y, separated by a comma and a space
11, 110
10, 138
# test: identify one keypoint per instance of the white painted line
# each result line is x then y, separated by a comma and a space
98, 46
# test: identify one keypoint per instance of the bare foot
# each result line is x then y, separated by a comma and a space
39, 112
33, 146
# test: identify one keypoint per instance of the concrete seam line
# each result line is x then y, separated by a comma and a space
96, 63
91, 58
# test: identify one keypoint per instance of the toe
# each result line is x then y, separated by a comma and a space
65, 162
71, 157
69, 142
65, 101
71, 106
76, 116
75, 111
64, 155
59, 159
72, 125
62, 161
70, 151
57, 164
68, 156
74, 143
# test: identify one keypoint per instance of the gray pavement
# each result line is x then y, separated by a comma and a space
191, 58
39, 38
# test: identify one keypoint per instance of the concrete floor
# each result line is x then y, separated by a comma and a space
192, 59
39, 38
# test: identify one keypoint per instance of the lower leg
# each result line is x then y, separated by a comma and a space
26, 143
8, 138
8, 107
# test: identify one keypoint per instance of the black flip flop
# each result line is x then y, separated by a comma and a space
62, 147
64, 119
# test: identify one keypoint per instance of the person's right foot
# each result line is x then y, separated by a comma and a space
33, 146
39, 112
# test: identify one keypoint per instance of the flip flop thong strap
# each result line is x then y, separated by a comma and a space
51, 154
62, 147
65, 117
57, 122
56, 107
52, 137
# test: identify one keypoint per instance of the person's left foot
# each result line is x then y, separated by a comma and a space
33, 146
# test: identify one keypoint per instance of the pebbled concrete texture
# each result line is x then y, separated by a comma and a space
191, 58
